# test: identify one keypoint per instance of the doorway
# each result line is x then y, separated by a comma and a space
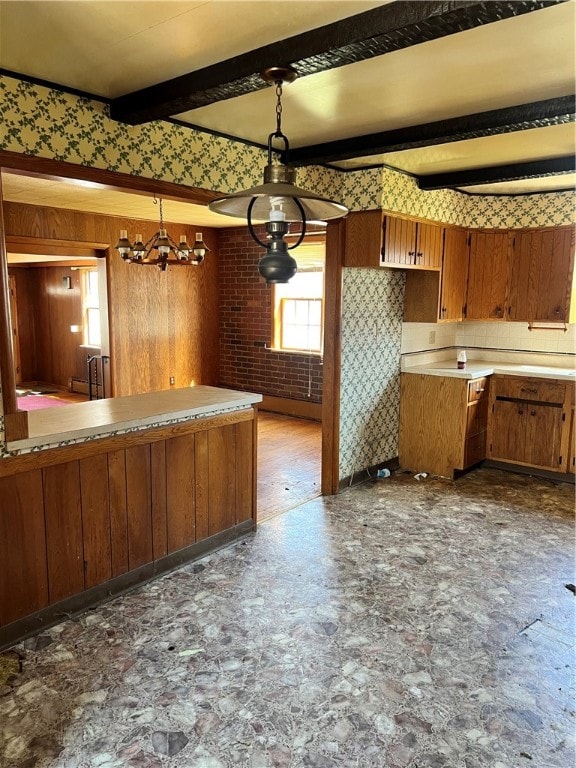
289, 462
55, 308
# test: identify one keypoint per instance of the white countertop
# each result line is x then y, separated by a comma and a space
478, 368
53, 426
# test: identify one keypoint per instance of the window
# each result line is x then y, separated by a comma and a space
298, 305
90, 308
301, 324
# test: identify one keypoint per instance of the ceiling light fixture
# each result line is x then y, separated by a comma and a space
161, 250
278, 201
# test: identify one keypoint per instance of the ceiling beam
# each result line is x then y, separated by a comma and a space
498, 173
390, 27
539, 114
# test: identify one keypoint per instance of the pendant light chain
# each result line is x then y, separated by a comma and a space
279, 107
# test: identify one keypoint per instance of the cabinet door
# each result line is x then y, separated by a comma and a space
544, 435
399, 241
527, 433
541, 274
454, 274
488, 275
509, 432
429, 241
363, 239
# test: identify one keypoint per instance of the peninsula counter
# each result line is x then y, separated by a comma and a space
104, 495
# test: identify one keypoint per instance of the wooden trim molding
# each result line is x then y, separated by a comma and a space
335, 248
288, 407
28, 165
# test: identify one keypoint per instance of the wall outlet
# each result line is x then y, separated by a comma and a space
432, 337
172, 380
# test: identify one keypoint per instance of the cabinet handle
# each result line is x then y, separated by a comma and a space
479, 390
532, 413
419, 255
520, 413
411, 253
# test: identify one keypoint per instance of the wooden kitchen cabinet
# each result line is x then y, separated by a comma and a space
489, 269
363, 244
431, 296
541, 279
529, 422
375, 239
411, 243
443, 423
454, 274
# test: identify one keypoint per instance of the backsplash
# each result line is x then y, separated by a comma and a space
488, 335
516, 336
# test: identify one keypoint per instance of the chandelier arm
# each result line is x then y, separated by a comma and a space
303, 233
250, 226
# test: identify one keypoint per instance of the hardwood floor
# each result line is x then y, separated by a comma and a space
289, 462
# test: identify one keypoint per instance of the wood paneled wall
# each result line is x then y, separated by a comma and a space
69, 524
50, 352
162, 324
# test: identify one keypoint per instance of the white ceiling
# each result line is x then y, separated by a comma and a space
115, 47
96, 198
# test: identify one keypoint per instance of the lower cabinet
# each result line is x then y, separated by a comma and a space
443, 423
449, 424
530, 422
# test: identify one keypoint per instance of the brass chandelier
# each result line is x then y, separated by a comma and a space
278, 201
161, 250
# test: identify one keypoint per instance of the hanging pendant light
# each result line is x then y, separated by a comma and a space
161, 250
278, 201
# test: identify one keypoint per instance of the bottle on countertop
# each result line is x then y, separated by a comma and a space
462, 359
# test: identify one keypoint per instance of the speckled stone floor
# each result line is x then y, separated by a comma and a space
402, 623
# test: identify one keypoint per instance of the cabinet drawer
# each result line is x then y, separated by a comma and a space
475, 449
477, 389
476, 417
536, 390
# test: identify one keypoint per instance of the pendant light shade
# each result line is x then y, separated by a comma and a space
278, 193
278, 201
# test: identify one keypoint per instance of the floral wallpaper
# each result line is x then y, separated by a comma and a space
370, 378
40, 121
400, 193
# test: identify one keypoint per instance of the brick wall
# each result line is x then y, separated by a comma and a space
246, 328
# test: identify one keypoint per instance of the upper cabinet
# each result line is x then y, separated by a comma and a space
541, 282
376, 239
411, 244
363, 239
489, 268
454, 274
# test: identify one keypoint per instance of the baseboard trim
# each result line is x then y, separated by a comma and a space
53, 614
301, 408
369, 473
559, 477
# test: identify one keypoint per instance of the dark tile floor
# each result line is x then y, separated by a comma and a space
402, 623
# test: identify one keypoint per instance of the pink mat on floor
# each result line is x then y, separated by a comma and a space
36, 402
